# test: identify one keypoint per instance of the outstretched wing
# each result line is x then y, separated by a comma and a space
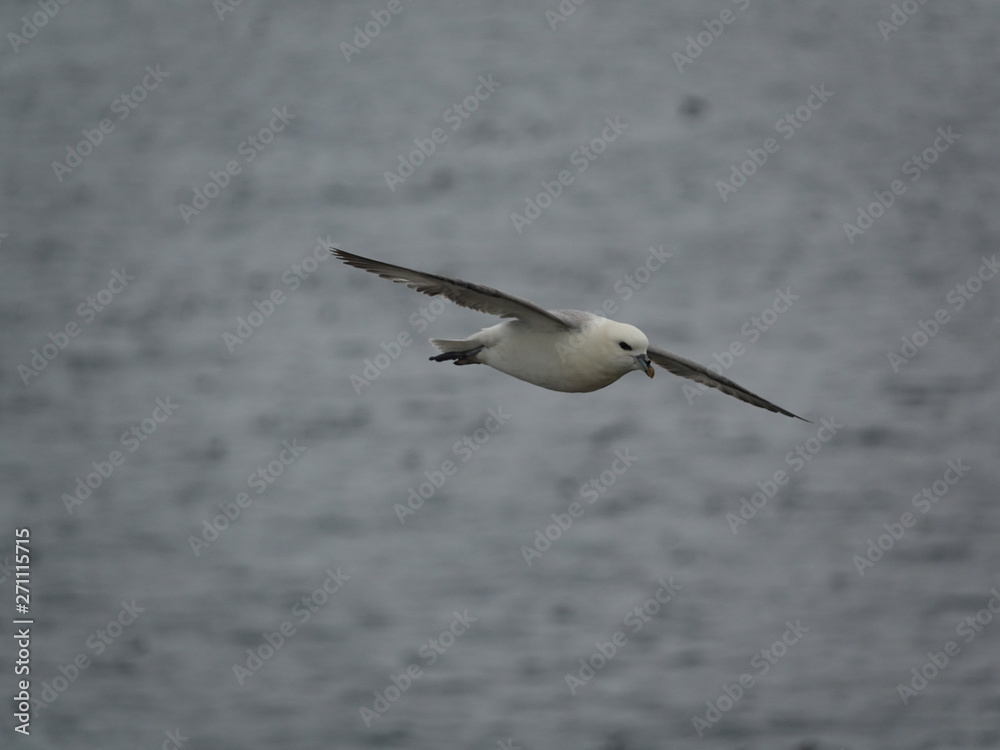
482, 298
692, 370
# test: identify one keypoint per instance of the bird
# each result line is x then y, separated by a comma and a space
563, 350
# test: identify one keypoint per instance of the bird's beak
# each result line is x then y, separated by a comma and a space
647, 366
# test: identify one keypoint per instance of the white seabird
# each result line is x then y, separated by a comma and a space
562, 350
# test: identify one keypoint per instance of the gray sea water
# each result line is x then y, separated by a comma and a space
371, 585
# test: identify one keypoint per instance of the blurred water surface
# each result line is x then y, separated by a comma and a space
327, 514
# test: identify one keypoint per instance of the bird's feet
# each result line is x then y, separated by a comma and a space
461, 358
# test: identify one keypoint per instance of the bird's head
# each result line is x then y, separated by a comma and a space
626, 345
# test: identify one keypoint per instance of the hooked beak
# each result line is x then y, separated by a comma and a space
646, 365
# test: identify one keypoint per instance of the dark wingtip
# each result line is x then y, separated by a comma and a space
796, 416
355, 261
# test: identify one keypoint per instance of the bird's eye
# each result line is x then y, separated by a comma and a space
624, 346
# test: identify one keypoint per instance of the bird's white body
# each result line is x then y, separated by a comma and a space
571, 361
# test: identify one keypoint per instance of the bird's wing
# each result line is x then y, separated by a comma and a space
688, 369
482, 298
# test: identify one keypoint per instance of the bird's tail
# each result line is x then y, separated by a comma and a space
452, 345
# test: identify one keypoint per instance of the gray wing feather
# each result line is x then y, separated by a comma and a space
693, 371
474, 296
